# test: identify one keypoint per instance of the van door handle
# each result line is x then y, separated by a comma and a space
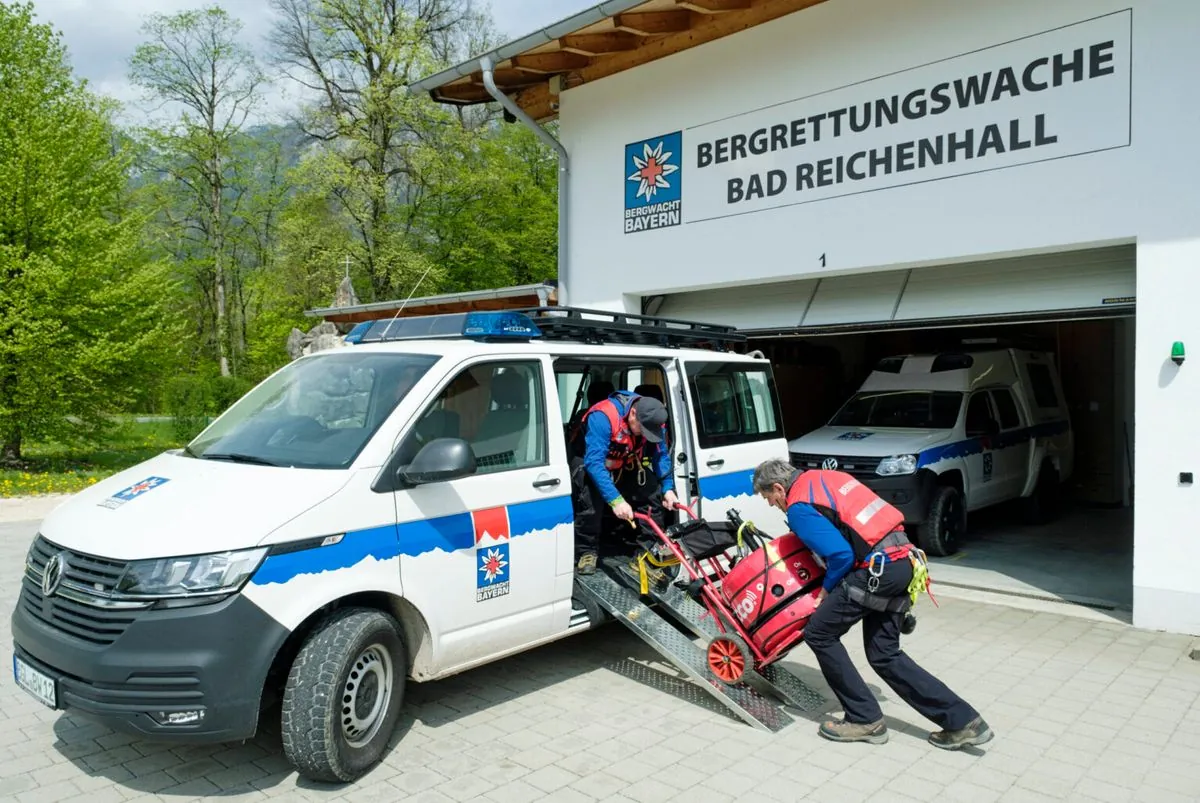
550, 483
715, 462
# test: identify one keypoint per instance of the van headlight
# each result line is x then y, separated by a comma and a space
191, 580
897, 465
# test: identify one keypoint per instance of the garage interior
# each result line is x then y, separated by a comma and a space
825, 335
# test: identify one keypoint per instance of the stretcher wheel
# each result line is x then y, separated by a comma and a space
729, 659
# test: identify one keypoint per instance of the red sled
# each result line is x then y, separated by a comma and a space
761, 603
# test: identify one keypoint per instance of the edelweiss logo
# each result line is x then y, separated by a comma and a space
652, 183
652, 170
492, 540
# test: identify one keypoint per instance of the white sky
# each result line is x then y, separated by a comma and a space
101, 35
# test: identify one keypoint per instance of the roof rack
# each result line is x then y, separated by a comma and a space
603, 327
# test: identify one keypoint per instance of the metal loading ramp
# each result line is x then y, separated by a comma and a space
651, 620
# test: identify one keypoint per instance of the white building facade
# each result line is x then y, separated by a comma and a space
865, 161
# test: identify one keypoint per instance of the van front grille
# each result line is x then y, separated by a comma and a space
80, 606
854, 466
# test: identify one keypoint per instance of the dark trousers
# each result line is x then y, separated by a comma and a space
835, 616
597, 529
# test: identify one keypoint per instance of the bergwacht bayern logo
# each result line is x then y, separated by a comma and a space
653, 176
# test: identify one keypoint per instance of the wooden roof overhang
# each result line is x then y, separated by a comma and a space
600, 41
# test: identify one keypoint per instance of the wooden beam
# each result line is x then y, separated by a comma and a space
653, 23
597, 44
547, 63
464, 93
714, 6
507, 78
536, 100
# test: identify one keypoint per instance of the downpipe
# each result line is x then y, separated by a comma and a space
564, 168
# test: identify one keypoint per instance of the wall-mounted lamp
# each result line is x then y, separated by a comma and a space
1177, 355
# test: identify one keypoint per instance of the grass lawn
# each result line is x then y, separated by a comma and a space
54, 468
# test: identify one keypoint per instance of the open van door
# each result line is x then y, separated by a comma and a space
733, 410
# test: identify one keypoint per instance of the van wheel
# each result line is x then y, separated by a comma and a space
343, 695
943, 528
1042, 505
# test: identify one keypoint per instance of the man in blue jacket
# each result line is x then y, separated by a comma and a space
625, 463
847, 597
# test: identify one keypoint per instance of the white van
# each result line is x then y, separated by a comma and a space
397, 508
940, 435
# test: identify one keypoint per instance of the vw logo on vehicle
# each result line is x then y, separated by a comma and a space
52, 576
829, 464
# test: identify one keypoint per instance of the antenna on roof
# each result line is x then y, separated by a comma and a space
410, 295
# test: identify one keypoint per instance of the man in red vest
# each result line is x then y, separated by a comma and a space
624, 464
868, 569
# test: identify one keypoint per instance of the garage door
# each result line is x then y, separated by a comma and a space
1065, 286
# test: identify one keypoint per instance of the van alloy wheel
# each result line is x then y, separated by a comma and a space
939, 535
951, 522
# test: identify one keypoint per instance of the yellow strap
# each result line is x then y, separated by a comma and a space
661, 564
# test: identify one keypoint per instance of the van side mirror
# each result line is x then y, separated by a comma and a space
993, 427
440, 460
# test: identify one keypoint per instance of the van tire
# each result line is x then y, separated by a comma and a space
342, 668
939, 535
1042, 506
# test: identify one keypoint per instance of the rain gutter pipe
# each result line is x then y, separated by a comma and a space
564, 168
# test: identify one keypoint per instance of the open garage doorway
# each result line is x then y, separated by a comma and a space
1076, 306
1084, 554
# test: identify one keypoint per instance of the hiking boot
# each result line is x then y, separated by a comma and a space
975, 733
587, 563
839, 730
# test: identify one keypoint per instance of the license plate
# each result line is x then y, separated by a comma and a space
39, 684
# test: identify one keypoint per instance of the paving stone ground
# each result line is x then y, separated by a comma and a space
1083, 710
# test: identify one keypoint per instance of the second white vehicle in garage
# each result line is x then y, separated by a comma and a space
941, 435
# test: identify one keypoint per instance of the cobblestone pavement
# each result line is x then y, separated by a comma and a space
1083, 710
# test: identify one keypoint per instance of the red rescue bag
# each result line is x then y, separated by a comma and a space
773, 591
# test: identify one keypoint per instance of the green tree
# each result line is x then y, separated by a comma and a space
489, 206
81, 320
193, 61
357, 58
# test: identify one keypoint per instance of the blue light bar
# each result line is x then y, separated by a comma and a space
355, 335
472, 325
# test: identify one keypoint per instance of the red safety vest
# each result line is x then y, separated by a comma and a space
859, 513
621, 453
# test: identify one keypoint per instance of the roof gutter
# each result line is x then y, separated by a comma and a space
564, 172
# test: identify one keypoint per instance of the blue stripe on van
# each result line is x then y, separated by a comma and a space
722, 486
411, 539
970, 446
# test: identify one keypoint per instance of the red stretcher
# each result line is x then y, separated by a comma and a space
760, 591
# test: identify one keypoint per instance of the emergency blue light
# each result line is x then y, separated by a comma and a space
473, 325
355, 335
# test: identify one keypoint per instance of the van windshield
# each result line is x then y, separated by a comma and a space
314, 413
905, 409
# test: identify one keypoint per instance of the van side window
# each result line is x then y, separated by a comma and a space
979, 414
1043, 385
569, 383
735, 404
498, 408
1006, 407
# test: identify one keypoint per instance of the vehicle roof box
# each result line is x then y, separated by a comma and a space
947, 370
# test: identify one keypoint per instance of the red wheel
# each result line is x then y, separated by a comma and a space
729, 659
